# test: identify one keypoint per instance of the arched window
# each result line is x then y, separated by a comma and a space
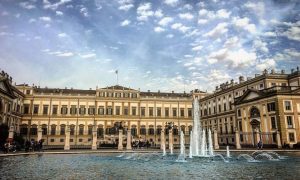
81, 129
72, 129
62, 129
53, 129
24, 129
158, 130
143, 130
90, 129
190, 128
44, 129
175, 130
100, 130
151, 130
166, 129
33, 130
133, 130
254, 112
182, 128
108, 130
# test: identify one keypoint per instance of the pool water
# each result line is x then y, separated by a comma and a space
145, 166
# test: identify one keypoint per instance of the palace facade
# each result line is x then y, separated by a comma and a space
264, 108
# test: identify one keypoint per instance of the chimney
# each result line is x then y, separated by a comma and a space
292, 70
282, 71
148, 91
241, 79
256, 75
172, 92
265, 71
231, 81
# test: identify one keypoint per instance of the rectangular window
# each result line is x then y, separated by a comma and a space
125, 111
261, 86
240, 126
273, 122
220, 108
239, 113
283, 84
91, 110
224, 106
27, 91
64, 109
26, 108
271, 106
143, 111
54, 109
80, 130
90, 130
190, 112
150, 111
167, 112
73, 110
182, 112
289, 120
101, 110
109, 110
287, 105
35, 109
117, 110
158, 111
292, 137
45, 109
133, 111
82, 110
174, 112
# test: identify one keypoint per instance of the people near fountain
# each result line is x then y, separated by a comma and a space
259, 144
6, 147
147, 144
40, 145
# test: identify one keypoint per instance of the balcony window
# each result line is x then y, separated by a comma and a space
287, 105
289, 120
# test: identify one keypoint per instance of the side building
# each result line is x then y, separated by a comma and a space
264, 108
11, 107
53, 112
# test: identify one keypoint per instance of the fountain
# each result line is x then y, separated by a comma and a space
227, 152
210, 144
191, 141
181, 156
164, 150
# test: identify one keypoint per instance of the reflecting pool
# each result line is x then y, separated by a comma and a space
150, 166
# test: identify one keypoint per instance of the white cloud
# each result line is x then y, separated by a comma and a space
269, 34
170, 36
223, 13
159, 29
232, 42
144, 12
235, 59
158, 13
266, 64
171, 2
202, 21
258, 8
61, 35
165, 21
27, 5
197, 48
32, 20
84, 12
260, 45
86, 56
59, 13
45, 18
293, 33
186, 16
54, 6
65, 54
244, 23
125, 23
188, 7
180, 27
219, 30
220, 14
126, 7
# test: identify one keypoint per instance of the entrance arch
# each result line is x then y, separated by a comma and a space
255, 122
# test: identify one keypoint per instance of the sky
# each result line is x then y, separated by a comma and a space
166, 45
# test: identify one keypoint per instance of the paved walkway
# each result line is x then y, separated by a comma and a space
133, 151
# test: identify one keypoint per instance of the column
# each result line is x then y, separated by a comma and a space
279, 146
216, 142
237, 140
39, 135
67, 139
128, 145
94, 145
120, 145
11, 132
162, 139
171, 140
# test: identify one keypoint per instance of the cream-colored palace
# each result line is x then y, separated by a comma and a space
266, 108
